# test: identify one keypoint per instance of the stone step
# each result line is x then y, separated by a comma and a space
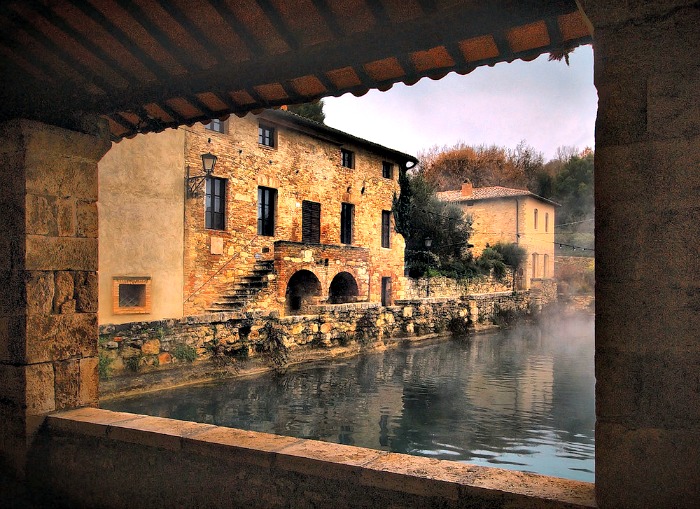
238, 295
226, 306
252, 279
249, 284
245, 288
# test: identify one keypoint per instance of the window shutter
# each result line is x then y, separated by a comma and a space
311, 222
386, 228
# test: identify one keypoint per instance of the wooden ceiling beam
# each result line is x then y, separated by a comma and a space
139, 16
353, 50
238, 27
123, 38
278, 23
86, 75
195, 32
329, 19
87, 45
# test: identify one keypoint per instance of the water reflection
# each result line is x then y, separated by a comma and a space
521, 399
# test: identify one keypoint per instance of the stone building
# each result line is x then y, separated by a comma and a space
77, 74
294, 213
502, 214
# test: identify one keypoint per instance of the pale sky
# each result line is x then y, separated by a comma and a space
547, 104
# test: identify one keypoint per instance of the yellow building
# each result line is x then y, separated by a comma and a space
502, 214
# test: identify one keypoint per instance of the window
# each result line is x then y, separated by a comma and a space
215, 204
131, 295
545, 268
386, 228
267, 199
347, 217
535, 219
386, 291
546, 221
266, 135
216, 125
534, 264
387, 170
310, 222
347, 158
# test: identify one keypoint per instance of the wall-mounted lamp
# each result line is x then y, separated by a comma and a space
194, 183
428, 242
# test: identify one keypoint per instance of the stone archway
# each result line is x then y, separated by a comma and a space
343, 288
303, 290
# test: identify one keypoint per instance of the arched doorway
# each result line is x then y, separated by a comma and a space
302, 287
343, 289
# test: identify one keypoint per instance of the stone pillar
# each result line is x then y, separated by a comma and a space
48, 277
647, 178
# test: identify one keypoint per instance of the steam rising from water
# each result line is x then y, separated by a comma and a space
520, 399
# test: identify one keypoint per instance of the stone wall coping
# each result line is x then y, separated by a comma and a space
348, 306
400, 473
221, 317
307, 245
426, 300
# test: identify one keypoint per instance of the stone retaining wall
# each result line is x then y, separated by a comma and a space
228, 339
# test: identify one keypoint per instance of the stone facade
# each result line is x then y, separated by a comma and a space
48, 273
507, 215
141, 223
194, 269
647, 183
233, 337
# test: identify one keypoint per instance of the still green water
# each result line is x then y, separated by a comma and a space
521, 399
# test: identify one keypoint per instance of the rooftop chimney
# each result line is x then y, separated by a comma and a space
467, 188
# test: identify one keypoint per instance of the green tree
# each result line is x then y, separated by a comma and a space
420, 216
513, 255
312, 111
573, 189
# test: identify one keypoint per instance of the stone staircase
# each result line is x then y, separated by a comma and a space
245, 289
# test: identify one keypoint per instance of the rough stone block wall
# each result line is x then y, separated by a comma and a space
227, 338
647, 182
448, 287
48, 272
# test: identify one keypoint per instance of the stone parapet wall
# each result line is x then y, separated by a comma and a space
544, 291
228, 339
152, 461
448, 287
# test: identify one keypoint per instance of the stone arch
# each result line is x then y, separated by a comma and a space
343, 288
303, 290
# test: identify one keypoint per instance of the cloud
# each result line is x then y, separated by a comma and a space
548, 104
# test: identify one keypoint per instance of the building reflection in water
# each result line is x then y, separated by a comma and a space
521, 399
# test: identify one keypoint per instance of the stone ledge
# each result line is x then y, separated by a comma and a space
439, 480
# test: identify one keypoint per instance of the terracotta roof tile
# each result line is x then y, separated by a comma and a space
488, 193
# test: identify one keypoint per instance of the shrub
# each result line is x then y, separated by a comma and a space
104, 366
185, 353
505, 317
133, 363
458, 326
273, 346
